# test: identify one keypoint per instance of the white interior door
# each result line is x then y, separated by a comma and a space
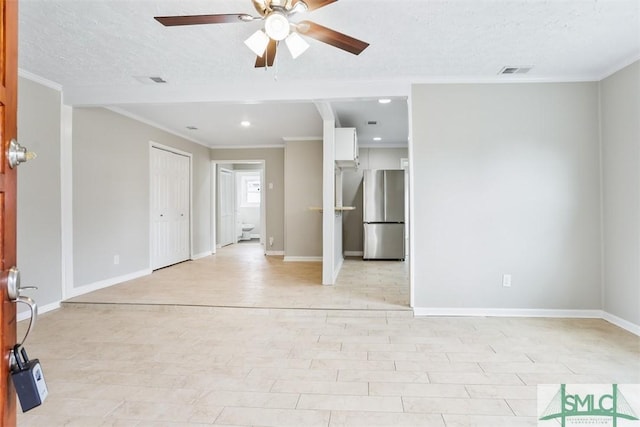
226, 207
170, 208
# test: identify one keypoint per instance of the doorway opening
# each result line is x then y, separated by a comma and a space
239, 203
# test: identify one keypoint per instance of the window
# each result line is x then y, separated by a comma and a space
250, 187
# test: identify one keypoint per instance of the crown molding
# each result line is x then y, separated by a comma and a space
38, 79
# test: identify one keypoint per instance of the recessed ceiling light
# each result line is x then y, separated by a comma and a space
384, 100
377, 138
245, 123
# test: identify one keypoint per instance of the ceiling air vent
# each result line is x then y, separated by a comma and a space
149, 80
372, 122
515, 70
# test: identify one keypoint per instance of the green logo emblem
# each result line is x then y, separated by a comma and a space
587, 406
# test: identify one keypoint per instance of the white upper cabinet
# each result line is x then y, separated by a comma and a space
346, 148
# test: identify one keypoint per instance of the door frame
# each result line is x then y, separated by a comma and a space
214, 200
219, 170
173, 150
9, 189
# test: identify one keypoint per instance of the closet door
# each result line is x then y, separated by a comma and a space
170, 208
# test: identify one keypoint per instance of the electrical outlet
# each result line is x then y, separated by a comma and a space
506, 280
271, 241
116, 259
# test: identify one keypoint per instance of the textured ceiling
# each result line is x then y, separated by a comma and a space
95, 49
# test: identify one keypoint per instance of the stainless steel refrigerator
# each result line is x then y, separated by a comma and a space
383, 214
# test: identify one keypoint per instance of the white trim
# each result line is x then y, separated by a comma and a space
237, 147
66, 199
353, 253
302, 259
301, 138
170, 149
619, 66
603, 257
527, 312
41, 80
201, 255
263, 207
328, 193
274, 253
502, 79
338, 267
24, 315
621, 323
81, 290
214, 201
154, 124
507, 312
412, 236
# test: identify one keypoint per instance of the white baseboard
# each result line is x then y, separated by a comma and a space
25, 314
302, 259
526, 312
274, 253
255, 236
201, 255
75, 292
353, 253
621, 323
506, 312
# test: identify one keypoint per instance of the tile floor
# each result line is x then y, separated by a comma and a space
316, 363
241, 276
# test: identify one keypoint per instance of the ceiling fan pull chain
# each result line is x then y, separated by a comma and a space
275, 75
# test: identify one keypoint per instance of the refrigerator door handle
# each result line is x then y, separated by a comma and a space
384, 187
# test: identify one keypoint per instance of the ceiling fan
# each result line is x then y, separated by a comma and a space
277, 27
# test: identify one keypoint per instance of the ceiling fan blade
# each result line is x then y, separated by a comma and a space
332, 37
170, 21
262, 6
269, 56
315, 4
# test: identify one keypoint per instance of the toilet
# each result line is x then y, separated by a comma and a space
246, 231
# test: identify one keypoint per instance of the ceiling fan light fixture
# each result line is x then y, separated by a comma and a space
277, 26
296, 45
258, 42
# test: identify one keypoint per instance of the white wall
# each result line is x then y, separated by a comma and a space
39, 192
111, 194
506, 181
620, 106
